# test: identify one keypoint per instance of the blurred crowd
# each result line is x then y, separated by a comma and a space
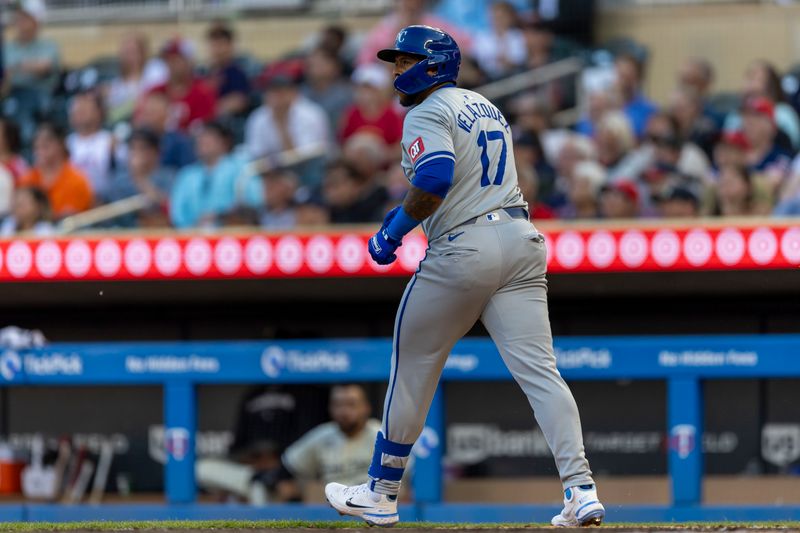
313, 138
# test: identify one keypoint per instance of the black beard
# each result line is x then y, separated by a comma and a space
407, 100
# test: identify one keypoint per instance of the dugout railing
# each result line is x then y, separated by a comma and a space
684, 362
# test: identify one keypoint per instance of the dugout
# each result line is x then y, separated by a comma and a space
747, 460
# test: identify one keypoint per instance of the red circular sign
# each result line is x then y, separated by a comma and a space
289, 254
351, 252
320, 254
762, 246
19, 259
633, 248
665, 247
168, 257
78, 258
790, 246
601, 249
730, 246
228, 256
108, 257
197, 256
48, 258
258, 255
698, 247
137, 257
570, 249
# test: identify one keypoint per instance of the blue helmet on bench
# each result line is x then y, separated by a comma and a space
438, 52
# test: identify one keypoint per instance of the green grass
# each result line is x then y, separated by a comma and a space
303, 524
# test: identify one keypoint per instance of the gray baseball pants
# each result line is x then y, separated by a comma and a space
492, 270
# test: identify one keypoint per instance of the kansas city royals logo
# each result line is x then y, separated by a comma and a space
176, 442
683, 439
416, 149
10, 365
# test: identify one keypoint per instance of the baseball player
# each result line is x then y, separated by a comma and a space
485, 260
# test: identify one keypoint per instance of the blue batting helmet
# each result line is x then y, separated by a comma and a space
437, 51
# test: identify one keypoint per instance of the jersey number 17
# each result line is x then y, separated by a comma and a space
484, 138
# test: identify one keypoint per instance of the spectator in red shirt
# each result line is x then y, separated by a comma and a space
373, 108
193, 100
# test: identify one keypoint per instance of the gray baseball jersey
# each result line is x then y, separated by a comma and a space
483, 263
463, 126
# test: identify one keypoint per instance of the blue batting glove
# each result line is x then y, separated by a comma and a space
382, 247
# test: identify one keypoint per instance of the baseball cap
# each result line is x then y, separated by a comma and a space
373, 75
178, 46
759, 105
736, 139
626, 188
36, 9
281, 74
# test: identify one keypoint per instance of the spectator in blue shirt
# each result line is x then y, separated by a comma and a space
211, 187
630, 77
228, 78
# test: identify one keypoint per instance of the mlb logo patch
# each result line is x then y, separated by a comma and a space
416, 149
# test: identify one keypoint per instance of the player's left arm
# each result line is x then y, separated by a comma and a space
428, 189
420, 204
433, 175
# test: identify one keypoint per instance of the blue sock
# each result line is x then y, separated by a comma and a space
388, 465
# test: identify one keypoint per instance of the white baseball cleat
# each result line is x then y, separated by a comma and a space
375, 509
581, 508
